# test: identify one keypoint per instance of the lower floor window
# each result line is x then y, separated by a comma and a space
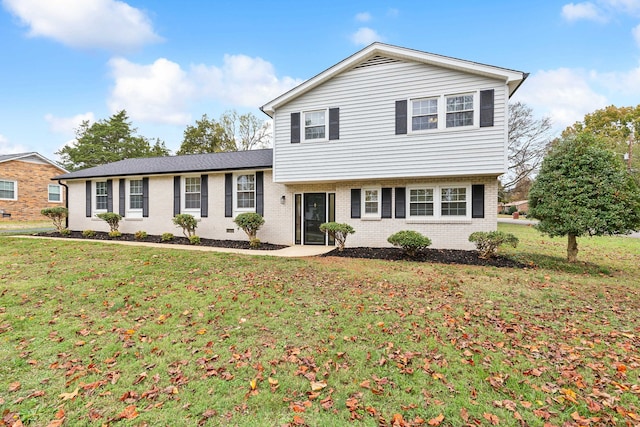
454, 201
8, 190
246, 191
371, 202
421, 202
135, 194
192, 193
101, 196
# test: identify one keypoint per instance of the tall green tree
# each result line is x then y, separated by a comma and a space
107, 141
584, 188
231, 132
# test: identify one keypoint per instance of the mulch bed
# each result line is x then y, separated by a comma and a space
442, 256
177, 240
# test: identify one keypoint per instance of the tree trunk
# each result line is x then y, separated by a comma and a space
572, 248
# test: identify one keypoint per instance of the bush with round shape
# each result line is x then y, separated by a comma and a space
410, 241
488, 242
250, 223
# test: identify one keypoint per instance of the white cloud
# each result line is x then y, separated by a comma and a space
162, 92
564, 94
365, 36
626, 84
625, 6
67, 125
107, 24
7, 147
363, 17
578, 11
636, 34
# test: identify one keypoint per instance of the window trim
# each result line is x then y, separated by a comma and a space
183, 196
442, 112
15, 189
49, 193
408, 201
467, 201
411, 114
97, 210
237, 176
363, 203
303, 126
475, 111
437, 203
133, 212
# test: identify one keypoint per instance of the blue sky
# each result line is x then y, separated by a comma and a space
168, 62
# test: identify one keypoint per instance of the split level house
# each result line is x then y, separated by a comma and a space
388, 139
26, 187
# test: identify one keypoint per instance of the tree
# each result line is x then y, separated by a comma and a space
618, 127
107, 141
528, 139
246, 130
583, 188
207, 136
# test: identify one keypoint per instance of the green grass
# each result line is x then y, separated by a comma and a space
147, 336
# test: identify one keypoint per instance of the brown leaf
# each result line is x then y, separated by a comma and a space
493, 419
464, 415
318, 385
436, 421
69, 396
14, 386
128, 413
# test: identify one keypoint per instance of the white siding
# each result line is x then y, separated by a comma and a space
368, 146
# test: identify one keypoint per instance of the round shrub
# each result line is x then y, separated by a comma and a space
88, 233
111, 218
166, 237
410, 241
250, 223
140, 235
487, 242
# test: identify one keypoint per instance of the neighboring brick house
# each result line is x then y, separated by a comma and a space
26, 187
388, 139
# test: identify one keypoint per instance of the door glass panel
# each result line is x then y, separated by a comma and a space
315, 213
298, 218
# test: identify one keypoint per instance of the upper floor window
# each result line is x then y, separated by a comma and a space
8, 190
315, 125
192, 193
246, 192
371, 202
135, 194
101, 196
55, 194
420, 202
424, 114
453, 201
459, 110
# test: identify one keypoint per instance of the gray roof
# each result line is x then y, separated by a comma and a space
237, 160
18, 156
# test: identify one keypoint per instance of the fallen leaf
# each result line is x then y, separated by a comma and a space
15, 386
493, 419
318, 385
69, 396
436, 421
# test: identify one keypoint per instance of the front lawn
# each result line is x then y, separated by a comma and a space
94, 334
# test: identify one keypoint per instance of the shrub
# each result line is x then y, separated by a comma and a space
115, 234
88, 233
487, 243
188, 224
166, 237
194, 240
512, 209
250, 222
410, 241
254, 243
111, 218
65, 232
337, 231
140, 235
57, 215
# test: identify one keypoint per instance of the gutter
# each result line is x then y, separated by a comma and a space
66, 202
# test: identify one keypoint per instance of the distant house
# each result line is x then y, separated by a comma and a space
388, 139
26, 187
519, 206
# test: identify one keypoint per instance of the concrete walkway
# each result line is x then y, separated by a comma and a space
296, 251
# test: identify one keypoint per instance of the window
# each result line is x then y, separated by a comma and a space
424, 114
315, 125
420, 202
459, 110
246, 192
135, 194
54, 193
371, 202
192, 193
101, 196
453, 201
8, 190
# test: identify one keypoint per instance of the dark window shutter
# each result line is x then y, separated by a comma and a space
176, 195
204, 196
355, 203
295, 127
122, 197
88, 198
401, 117
260, 193
400, 202
145, 197
109, 195
486, 108
386, 203
334, 123
477, 201
228, 195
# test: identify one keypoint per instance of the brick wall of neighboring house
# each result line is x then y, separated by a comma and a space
33, 181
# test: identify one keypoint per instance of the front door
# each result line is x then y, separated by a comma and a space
315, 213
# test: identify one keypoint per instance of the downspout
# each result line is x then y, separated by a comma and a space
66, 202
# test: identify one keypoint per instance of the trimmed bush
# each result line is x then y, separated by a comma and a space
88, 233
487, 242
115, 234
338, 231
111, 218
166, 237
250, 223
188, 223
57, 215
65, 232
410, 241
194, 240
140, 235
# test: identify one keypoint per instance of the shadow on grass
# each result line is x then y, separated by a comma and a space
560, 264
